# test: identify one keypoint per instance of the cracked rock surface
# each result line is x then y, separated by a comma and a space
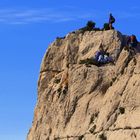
79, 102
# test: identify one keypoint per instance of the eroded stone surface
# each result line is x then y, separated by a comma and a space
76, 102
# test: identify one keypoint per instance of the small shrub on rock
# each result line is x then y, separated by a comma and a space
57, 81
122, 110
90, 25
59, 90
102, 137
106, 26
80, 137
97, 29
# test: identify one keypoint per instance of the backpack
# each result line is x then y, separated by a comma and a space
112, 19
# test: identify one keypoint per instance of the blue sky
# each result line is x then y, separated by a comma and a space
27, 27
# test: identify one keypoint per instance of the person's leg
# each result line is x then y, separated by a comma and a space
110, 26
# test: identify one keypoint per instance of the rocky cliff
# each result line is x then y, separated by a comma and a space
79, 102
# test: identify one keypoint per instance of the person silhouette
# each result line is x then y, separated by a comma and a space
111, 21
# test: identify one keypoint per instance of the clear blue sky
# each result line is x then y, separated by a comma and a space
26, 29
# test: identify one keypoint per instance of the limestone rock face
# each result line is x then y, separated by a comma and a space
79, 102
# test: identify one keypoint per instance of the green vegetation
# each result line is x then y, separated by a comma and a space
102, 137
57, 81
90, 25
106, 26
122, 110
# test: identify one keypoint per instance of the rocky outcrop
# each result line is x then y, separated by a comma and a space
79, 102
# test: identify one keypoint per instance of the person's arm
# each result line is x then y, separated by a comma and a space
109, 19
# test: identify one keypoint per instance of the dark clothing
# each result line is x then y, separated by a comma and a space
132, 44
103, 58
98, 54
111, 19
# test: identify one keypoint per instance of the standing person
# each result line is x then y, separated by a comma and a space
111, 21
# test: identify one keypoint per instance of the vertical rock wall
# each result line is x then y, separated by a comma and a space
76, 102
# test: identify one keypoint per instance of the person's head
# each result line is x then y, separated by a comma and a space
110, 14
132, 37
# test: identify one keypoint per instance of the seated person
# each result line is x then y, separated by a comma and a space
99, 53
132, 41
105, 58
101, 57
131, 44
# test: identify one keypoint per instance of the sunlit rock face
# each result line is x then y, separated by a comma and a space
79, 102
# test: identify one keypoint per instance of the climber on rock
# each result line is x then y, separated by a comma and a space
104, 59
132, 43
111, 21
99, 53
101, 57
